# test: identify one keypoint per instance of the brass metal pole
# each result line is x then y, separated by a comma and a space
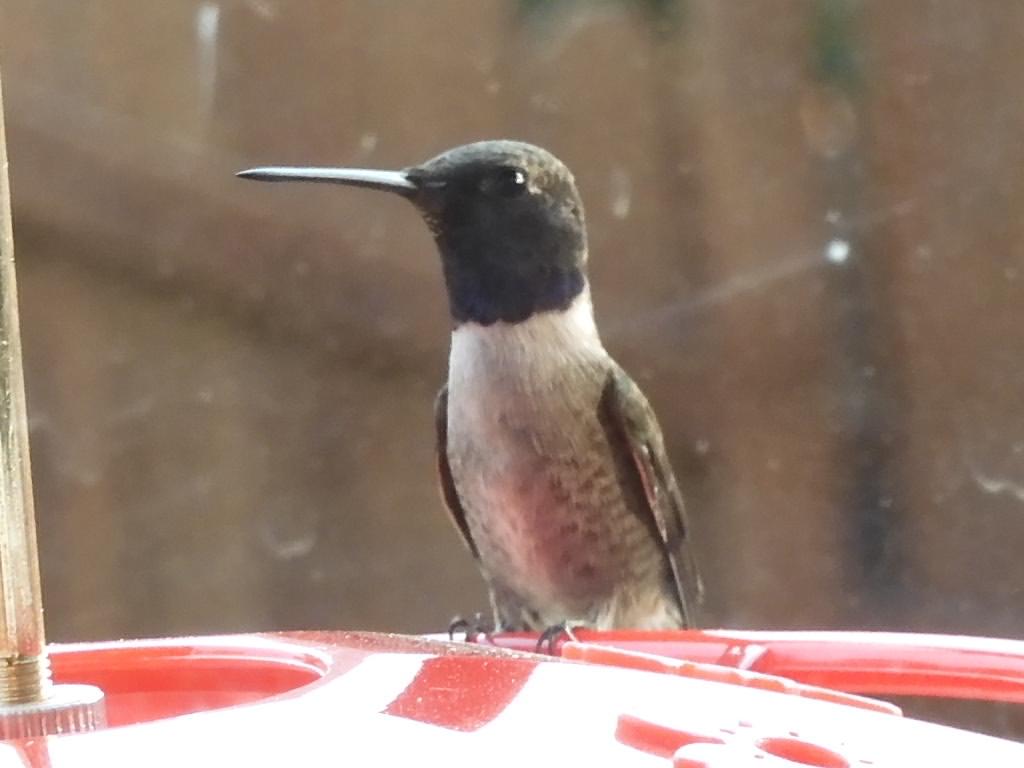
24, 670
29, 704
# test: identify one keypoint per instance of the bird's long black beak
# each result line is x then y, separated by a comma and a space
390, 181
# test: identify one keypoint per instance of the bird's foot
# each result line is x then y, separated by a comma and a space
550, 637
470, 628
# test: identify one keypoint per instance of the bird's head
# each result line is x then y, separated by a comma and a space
507, 219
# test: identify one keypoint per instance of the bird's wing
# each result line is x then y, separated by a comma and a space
444, 471
633, 423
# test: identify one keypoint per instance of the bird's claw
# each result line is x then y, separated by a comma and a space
469, 628
548, 640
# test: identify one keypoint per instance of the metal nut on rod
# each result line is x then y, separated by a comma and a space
30, 705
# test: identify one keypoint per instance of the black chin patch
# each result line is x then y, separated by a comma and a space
491, 297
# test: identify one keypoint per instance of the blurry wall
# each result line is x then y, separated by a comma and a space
806, 247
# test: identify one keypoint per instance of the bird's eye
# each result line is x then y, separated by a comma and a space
507, 181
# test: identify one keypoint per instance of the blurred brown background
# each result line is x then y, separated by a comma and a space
806, 246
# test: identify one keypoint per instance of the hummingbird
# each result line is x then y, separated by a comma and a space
551, 461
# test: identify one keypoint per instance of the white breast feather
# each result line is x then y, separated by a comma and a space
535, 348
